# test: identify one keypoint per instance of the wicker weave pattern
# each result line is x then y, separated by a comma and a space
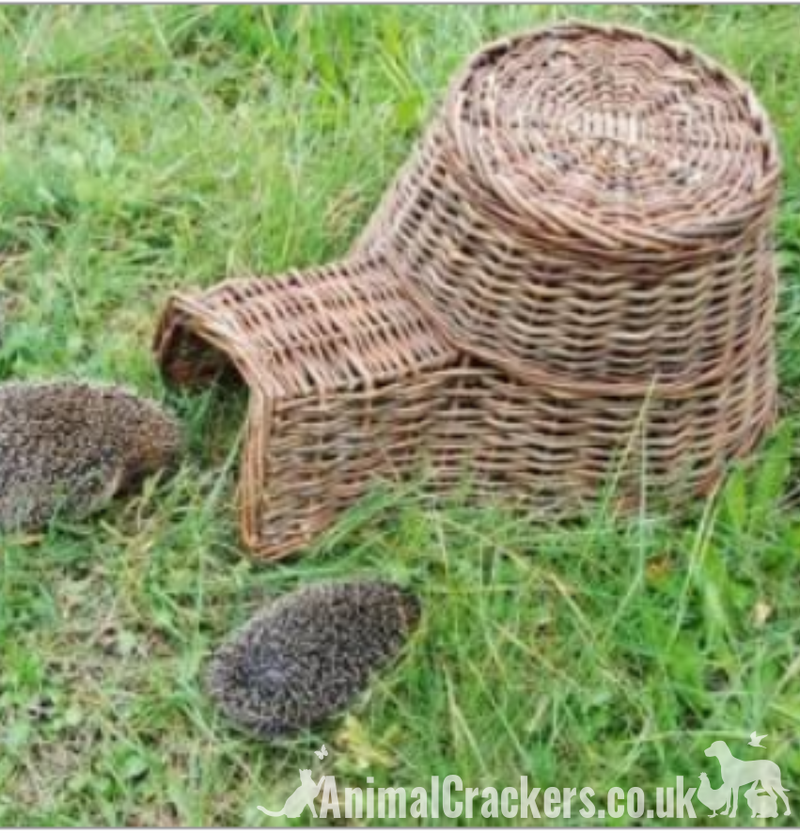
342, 370
506, 439
591, 208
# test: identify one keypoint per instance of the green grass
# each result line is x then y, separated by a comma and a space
142, 149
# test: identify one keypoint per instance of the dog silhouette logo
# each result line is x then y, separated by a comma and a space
763, 778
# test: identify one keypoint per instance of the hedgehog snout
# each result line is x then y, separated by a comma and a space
156, 447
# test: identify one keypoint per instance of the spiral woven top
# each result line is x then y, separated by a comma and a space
622, 140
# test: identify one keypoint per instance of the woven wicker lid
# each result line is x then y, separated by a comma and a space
614, 137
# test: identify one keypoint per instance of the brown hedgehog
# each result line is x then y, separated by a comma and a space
308, 654
69, 447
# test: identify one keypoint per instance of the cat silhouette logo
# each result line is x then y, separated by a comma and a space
301, 798
762, 776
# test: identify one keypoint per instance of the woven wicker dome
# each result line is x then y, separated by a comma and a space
592, 210
603, 135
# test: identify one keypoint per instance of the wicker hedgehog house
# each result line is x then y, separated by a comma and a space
570, 282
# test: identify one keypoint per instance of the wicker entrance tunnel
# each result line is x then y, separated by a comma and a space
570, 285
345, 377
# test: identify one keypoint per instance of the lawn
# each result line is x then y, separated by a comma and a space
148, 148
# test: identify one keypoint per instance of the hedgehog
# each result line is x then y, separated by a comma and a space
66, 448
307, 655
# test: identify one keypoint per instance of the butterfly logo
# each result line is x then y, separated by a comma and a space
322, 752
